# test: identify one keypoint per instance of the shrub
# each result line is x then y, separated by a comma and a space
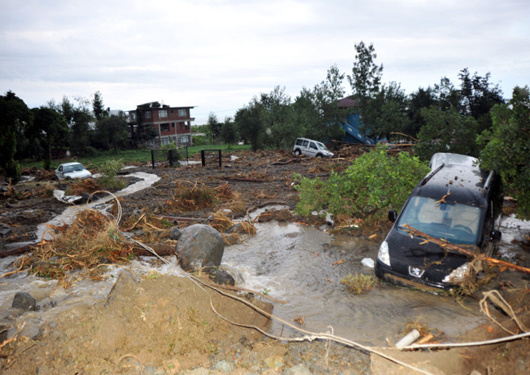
371, 185
109, 170
359, 283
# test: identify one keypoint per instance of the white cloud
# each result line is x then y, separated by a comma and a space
218, 54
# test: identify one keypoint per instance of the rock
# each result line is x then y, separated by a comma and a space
200, 246
175, 233
222, 278
24, 301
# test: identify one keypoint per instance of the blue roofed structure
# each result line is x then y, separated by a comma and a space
352, 124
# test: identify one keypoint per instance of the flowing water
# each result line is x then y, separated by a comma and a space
303, 266
298, 264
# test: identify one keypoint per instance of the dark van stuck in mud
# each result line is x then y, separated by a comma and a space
456, 202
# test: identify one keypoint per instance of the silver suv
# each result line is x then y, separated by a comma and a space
310, 147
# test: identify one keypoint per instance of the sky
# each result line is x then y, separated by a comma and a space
217, 55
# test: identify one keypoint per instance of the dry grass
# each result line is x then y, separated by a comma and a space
81, 186
92, 240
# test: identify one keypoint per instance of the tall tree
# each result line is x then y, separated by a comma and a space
111, 133
50, 131
214, 127
478, 96
386, 112
507, 147
366, 74
228, 131
98, 108
446, 131
249, 124
275, 116
423, 98
14, 114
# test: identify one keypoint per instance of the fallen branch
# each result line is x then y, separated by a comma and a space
465, 251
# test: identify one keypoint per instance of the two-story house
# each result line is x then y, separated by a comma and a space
171, 124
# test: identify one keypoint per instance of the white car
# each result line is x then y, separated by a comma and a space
72, 170
310, 147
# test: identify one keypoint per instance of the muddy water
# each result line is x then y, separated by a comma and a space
303, 266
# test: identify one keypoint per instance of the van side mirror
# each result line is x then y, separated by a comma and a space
392, 215
496, 235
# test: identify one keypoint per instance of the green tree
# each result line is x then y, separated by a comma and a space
50, 132
366, 74
214, 127
141, 132
507, 147
111, 133
446, 131
423, 98
478, 96
372, 184
97, 107
275, 117
249, 124
229, 132
14, 114
325, 97
386, 112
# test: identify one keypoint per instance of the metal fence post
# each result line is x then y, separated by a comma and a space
153, 158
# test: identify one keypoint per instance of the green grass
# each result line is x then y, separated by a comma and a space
142, 156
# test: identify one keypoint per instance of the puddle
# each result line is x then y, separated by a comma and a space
303, 266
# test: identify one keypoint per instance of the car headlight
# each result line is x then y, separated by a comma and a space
383, 254
458, 275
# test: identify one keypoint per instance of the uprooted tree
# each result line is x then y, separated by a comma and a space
373, 183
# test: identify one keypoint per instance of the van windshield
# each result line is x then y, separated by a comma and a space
455, 222
322, 146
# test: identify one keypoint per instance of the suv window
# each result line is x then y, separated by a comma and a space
457, 223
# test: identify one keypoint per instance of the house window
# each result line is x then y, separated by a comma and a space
164, 127
162, 113
147, 114
185, 139
183, 113
133, 115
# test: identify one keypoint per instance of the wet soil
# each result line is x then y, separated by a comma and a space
160, 324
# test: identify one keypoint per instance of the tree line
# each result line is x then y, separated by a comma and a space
470, 117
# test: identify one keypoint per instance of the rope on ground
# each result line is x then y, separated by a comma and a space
310, 336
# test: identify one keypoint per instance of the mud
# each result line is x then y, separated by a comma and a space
163, 324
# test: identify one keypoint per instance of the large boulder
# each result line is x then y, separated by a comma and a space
200, 246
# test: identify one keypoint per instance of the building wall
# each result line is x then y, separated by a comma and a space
173, 124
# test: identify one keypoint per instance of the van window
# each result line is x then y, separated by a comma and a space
298, 142
457, 223
313, 146
306, 143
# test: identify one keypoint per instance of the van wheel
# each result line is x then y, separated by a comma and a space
319, 155
297, 152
